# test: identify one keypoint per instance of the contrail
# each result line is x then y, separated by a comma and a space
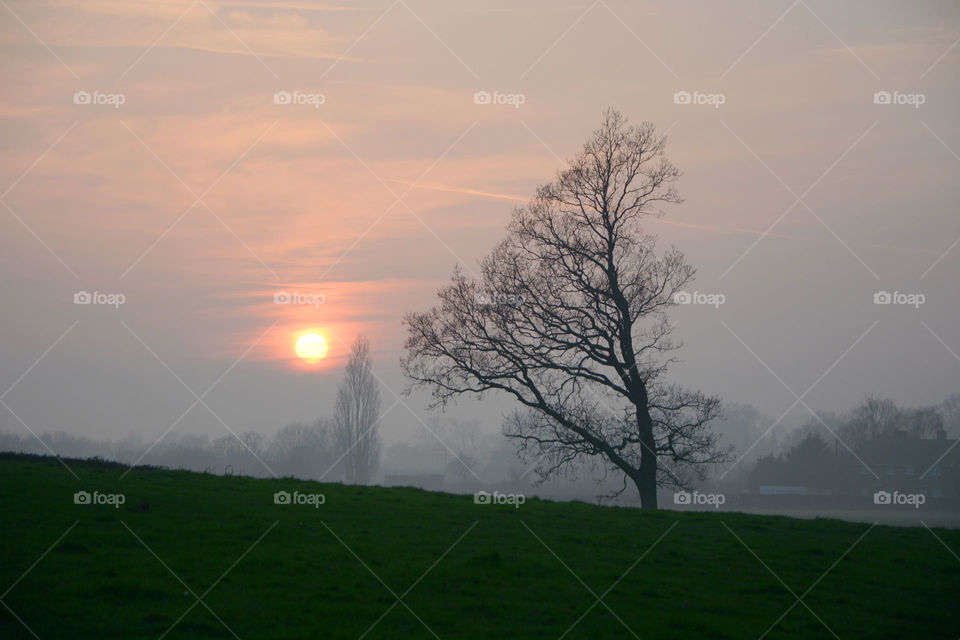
471, 192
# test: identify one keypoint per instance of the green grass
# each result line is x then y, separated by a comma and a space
302, 579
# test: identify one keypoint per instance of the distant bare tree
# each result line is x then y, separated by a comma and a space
949, 409
569, 318
922, 422
744, 428
302, 450
357, 410
463, 438
871, 418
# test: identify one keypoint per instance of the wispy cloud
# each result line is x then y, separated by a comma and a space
235, 28
507, 196
463, 190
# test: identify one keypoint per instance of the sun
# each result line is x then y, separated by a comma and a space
311, 347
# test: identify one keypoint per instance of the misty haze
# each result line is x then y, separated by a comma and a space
469, 320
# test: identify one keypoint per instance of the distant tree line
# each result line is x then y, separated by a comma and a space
298, 449
344, 447
813, 457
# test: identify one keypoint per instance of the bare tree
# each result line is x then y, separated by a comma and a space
302, 450
871, 418
569, 318
922, 422
464, 439
357, 411
949, 410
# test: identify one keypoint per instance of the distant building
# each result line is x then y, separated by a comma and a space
898, 462
930, 466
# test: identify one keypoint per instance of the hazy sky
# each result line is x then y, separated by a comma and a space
202, 195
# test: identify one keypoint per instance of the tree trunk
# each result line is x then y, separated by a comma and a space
646, 477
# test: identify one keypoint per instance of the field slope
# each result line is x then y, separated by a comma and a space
192, 555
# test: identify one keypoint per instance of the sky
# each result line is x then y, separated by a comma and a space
188, 161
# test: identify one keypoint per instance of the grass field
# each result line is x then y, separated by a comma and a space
215, 557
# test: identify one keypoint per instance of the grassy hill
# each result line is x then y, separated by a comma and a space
405, 563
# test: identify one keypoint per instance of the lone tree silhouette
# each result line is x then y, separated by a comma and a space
569, 318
